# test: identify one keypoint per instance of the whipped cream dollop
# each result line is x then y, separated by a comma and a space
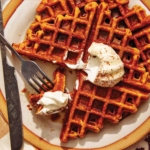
53, 102
104, 67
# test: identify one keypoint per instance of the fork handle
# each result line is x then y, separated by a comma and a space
7, 44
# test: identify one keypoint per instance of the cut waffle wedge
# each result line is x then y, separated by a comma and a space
61, 41
59, 85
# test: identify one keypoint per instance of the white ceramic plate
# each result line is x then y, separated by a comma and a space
15, 29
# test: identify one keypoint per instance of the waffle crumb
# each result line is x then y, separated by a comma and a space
24, 90
29, 107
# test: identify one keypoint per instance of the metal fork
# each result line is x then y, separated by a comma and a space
31, 71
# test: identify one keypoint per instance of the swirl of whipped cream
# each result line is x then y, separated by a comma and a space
53, 102
104, 67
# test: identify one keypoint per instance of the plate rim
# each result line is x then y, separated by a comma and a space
124, 142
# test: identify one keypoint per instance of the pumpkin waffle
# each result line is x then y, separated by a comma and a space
62, 41
93, 105
59, 85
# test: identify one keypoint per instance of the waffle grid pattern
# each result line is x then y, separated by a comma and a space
133, 18
141, 40
50, 9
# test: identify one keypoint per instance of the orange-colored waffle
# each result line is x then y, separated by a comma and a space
93, 105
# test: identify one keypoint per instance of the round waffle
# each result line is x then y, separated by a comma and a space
63, 35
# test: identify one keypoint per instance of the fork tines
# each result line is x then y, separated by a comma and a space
40, 82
